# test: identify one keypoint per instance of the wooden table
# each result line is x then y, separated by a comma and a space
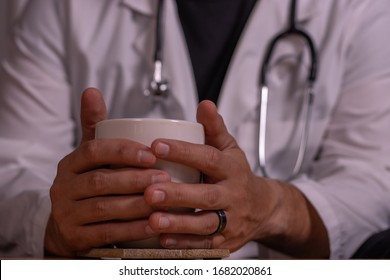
119, 253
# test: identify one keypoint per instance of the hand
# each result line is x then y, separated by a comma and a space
229, 184
265, 210
92, 205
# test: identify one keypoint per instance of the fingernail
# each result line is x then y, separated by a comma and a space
163, 222
149, 231
170, 242
145, 157
159, 178
158, 196
162, 149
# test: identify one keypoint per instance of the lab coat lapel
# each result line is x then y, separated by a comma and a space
239, 98
144, 40
146, 7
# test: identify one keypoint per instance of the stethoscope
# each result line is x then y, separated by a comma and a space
159, 87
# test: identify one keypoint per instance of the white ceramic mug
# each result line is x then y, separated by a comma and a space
145, 131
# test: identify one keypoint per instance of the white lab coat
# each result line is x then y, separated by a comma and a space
62, 47
9, 12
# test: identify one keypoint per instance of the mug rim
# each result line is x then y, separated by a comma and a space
151, 120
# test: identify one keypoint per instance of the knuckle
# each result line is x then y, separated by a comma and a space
62, 164
181, 224
186, 151
213, 159
105, 235
137, 179
98, 182
101, 210
90, 149
179, 196
211, 198
122, 150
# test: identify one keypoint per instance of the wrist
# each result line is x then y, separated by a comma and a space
292, 224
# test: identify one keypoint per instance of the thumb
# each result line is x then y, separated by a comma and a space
216, 133
93, 110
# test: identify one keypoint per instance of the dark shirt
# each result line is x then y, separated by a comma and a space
212, 29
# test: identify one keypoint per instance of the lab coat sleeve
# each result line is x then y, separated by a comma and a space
350, 182
36, 129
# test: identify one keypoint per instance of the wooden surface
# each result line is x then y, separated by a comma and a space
117, 253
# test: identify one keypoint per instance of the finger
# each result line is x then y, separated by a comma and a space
216, 133
183, 241
206, 159
103, 209
98, 235
200, 223
93, 110
201, 196
122, 181
100, 152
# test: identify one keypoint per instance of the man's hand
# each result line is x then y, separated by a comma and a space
92, 204
265, 210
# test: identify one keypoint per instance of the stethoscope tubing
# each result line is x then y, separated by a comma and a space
308, 99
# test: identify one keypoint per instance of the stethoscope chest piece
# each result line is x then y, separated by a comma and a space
157, 87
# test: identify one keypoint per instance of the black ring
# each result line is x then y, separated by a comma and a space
222, 222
